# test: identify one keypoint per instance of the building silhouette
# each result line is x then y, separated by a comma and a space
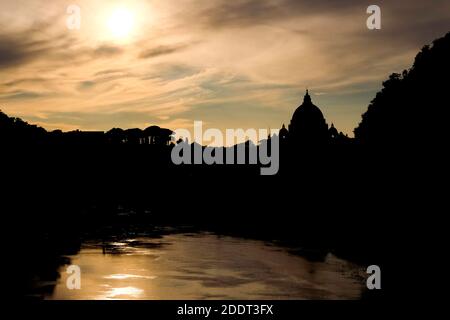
309, 127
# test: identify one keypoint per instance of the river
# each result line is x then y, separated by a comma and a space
205, 266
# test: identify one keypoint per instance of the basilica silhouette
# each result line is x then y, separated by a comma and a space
309, 127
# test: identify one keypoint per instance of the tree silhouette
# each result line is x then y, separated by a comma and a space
412, 107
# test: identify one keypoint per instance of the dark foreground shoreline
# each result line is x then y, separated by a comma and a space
53, 200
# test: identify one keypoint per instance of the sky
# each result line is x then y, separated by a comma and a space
231, 64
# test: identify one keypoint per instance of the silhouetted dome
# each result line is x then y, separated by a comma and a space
283, 134
308, 122
308, 110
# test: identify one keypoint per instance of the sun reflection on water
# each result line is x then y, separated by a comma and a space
128, 276
206, 267
123, 293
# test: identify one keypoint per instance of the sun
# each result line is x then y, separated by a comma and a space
121, 23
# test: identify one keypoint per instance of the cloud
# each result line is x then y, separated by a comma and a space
171, 72
106, 51
20, 95
240, 13
13, 52
23, 47
23, 81
110, 71
161, 50
85, 85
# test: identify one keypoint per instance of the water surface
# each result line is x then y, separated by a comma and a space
205, 266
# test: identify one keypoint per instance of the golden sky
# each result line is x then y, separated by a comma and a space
230, 64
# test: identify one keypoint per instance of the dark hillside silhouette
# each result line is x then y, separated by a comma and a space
413, 107
15, 131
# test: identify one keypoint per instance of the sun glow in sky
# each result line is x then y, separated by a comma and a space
121, 23
230, 64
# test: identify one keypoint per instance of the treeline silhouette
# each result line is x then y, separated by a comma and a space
16, 132
412, 107
351, 197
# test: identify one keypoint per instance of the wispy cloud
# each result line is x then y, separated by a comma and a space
161, 50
